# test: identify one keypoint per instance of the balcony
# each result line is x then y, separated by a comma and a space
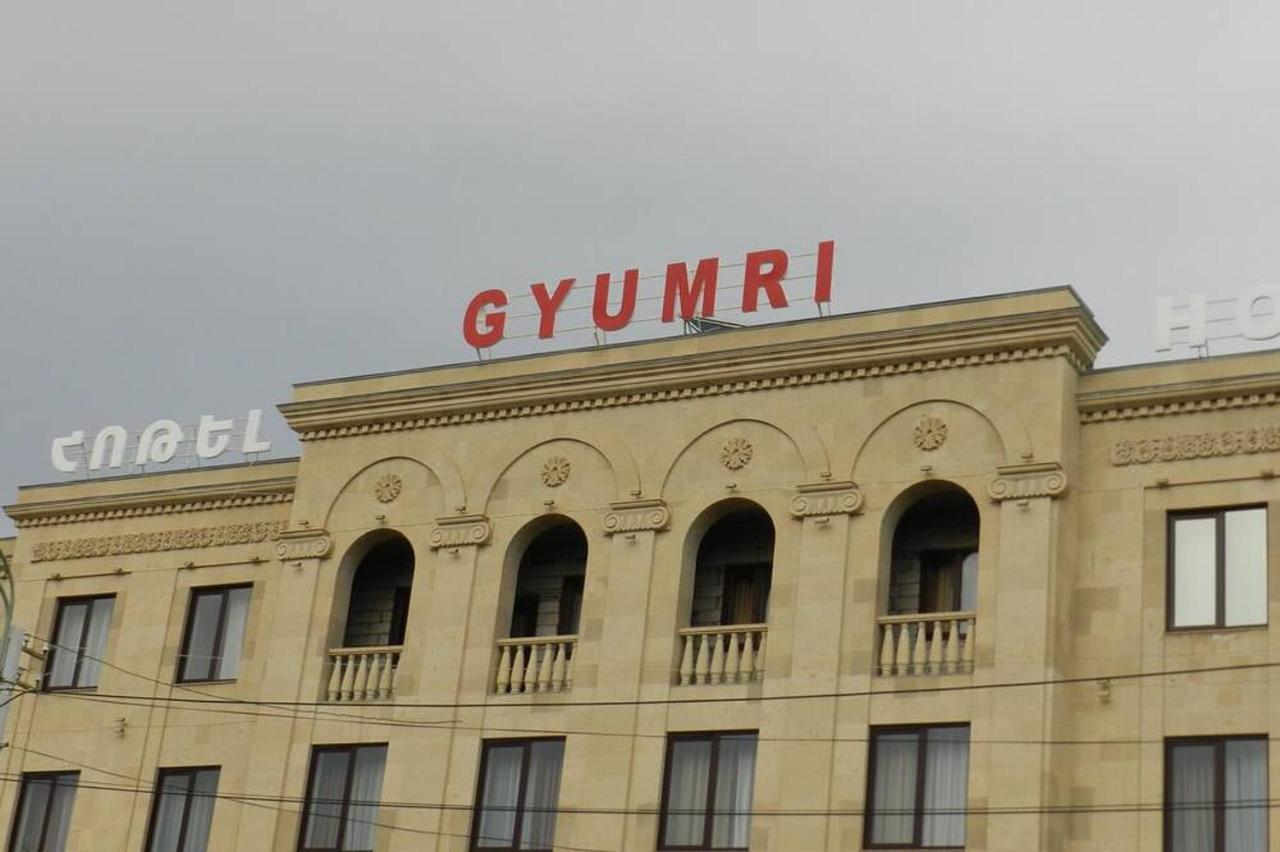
931, 643
535, 664
722, 655
363, 674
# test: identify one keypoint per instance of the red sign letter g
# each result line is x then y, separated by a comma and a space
495, 322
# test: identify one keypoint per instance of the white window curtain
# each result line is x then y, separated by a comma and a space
36, 795
325, 806
542, 794
236, 616
95, 642
946, 784
894, 788
1245, 797
200, 817
1195, 572
201, 655
167, 825
1191, 789
45, 800
689, 773
501, 791
366, 792
64, 794
66, 648
1245, 551
735, 777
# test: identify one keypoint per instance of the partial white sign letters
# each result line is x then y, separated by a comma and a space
158, 443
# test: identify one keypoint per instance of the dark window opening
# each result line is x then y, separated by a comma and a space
734, 570
80, 642
378, 614
518, 796
214, 634
549, 583
1216, 794
934, 562
44, 812
707, 791
182, 810
917, 788
343, 791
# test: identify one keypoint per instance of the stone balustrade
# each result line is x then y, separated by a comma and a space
930, 643
535, 664
732, 654
363, 674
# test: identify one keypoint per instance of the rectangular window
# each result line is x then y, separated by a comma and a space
1216, 795
519, 791
707, 791
44, 812
343, 790
917, 789
215, 633
182, 810
1218, 568
80, 641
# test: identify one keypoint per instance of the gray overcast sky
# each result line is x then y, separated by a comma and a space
202, 203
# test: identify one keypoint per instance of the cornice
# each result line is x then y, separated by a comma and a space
197, 498
1212, 394
1065, 333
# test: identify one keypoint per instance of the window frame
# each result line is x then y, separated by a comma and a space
56, 648
477, 809
351, 749
158, 792
1219, 744
1218, 514
24, 790
219, 634
713, 780
922, 759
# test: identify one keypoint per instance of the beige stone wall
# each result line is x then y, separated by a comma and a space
839, 417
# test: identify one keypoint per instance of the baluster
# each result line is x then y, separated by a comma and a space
544, 670
747, 666
335, 677
504, 671
953, 648
966, 656
935, 649
717, 660
531, 668
886, 649
902, 660
764, 638
557, 668
570, 647
348, 677
388, 668
362, 679
686, 661
919, 650
732, 659
704, 659
517, 669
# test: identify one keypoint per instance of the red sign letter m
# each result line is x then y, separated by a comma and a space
702, 289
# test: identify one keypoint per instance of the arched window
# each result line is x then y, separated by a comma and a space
549, 583
378, 612
734, 569
934, 564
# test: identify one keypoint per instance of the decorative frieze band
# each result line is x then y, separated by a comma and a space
155, 542
636, 516
1022, 481
455, 418
303, 544
1205, 445
826, 498
460, 531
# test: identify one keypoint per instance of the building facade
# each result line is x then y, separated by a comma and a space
918, 578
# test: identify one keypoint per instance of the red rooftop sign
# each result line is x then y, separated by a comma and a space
687, 293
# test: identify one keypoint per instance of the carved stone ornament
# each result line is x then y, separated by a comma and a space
736, 453
1205, 445
388, 487
826, 498
1023, 481
154, 542
636, 516
555, 471
303, 544
460, 531
930, 432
